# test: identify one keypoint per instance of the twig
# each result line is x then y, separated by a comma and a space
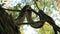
44, 6
36, 4
26, 23
12, 10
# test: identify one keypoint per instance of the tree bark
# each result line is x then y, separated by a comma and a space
7, 25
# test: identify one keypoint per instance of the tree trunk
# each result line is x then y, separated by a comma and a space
7, 25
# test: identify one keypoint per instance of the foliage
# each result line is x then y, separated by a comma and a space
49, 5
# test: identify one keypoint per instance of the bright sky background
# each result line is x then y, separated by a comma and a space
12, 2
28, 29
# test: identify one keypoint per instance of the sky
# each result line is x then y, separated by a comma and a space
29, 29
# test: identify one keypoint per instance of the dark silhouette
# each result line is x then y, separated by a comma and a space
7, 25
